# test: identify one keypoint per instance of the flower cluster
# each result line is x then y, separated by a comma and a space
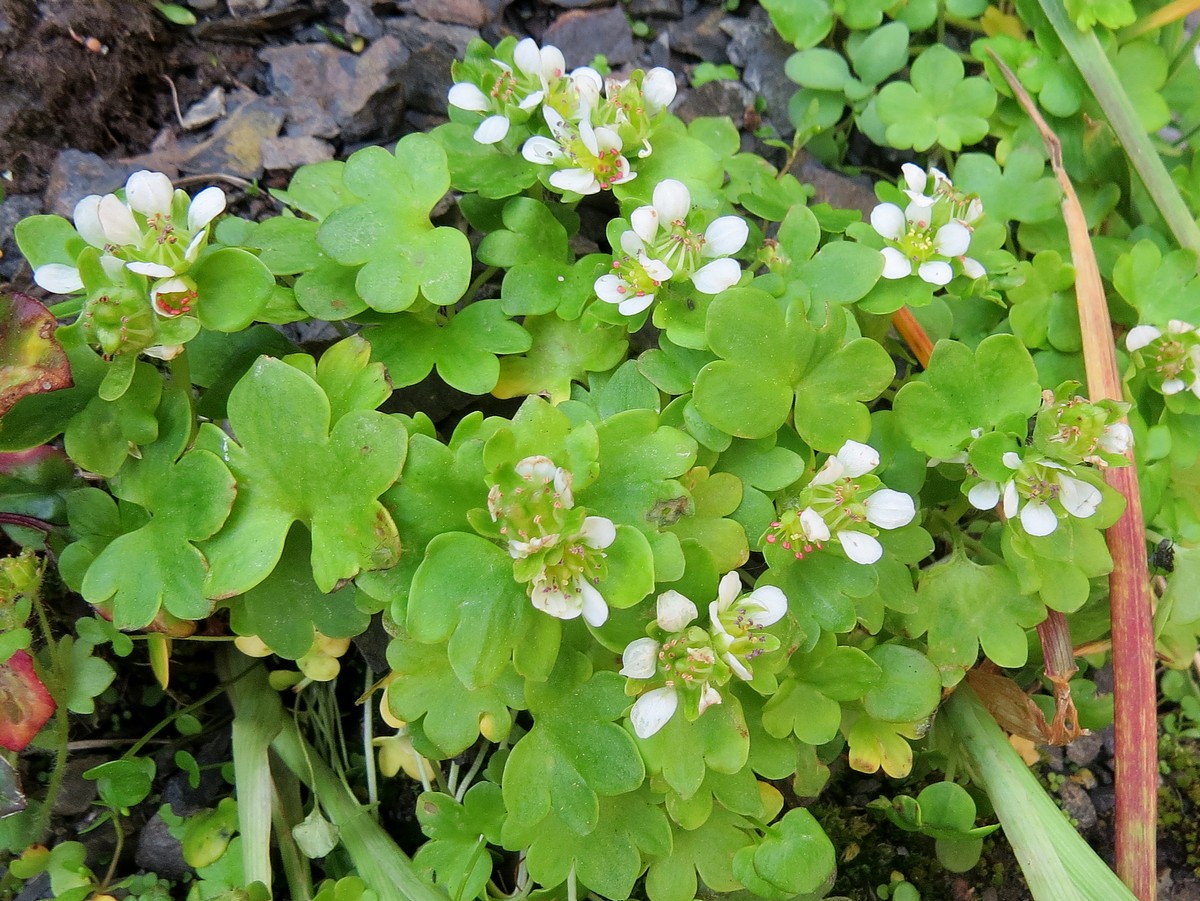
1072, 429
843, 502
1039, 492
932, 234
590, 120
556, 547
1171, 358
666, 244
692, 662
155, 231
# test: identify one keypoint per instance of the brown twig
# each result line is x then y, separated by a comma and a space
1129, 588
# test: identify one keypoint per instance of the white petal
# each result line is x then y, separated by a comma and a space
621, 164
659, 88
612, 289
587, 83
860, 547
640, 658
205, 207
193, 248
58, 278
87, 221
984, 496
117, 221
672, 199
940, 180
829, 473
1116, 438
772, 603
465, 95
915, 177
935, 272
715, 277
527, 57
537, 468
1011, 459
163, 351
598, 532
558, 125
728, 590
857, 459
553, 64
595, 609
895, 264
727, 235
814, 525
974, 211
1079, 498
558, 602
632, 243
541, 150
154, 270
167, 286
652, 711
529, 101
888, 219
673, 611
952, 239
606, 138
919, 209
1178, 326
890, 509
1038, 519
972, 268
1141, 335
492, 130
635, 304
149, 192
1172, 386
587, 134
656, 269
740, 669
645, 222
112, 266
1010, 500
709, 697
578, 181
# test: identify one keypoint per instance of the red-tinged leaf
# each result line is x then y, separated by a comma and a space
31, 359
25, 704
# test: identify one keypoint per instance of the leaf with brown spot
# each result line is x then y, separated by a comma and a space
31, 359
25, 704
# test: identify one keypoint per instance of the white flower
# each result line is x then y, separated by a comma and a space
653, 710
596, 151
852, 460
674, 611
569, 600
173, 297
1116, 438
640, 658
736, 620
1029, 494
659, 89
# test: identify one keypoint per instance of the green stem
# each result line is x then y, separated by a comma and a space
62, 727
1097, 71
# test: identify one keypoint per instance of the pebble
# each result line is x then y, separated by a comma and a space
294, 152
432, 47
1084, 750
583, 34
699, 34
14, 208
361, 20
471, 13
235, 147
206, 111
77, 174
716, 98
762, 54
1077, 804
160, 852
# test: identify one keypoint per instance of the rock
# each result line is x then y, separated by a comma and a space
432, 46
1078, 805
361, 20
330, 91
235, 147
699, 34
1084, 750
582, 34
576, 4
35, 889
294, 152
716, 98
471, 13
15, 208
77, 174
659, 9
247, 7
77, 794
160, 852
839, 191
206, 111
762, 53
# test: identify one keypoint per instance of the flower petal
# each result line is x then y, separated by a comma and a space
984, 496
952, 239
577, 181
656, 269
149, 192
728, 590
857, 459
673, 611
915, 177
715, 277
709, 697
935, 272
1141, 335
1010, 500
895, 264
117, 221
1079, 498
890, 509
888, 219
154, 270
598, 532
659, 88
1116, 438
640, 658
553, 64
527, 57
58, 278
1172, 386
772, 604
205, 207
87, 221
465, 95
1038, 519
740, 669
860, 547
726, 235
814, 525
672, 199
645, 222
652, 711
635, 304
541, 150
492, 130
612, 289
972, 268
595, 609
554, 599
